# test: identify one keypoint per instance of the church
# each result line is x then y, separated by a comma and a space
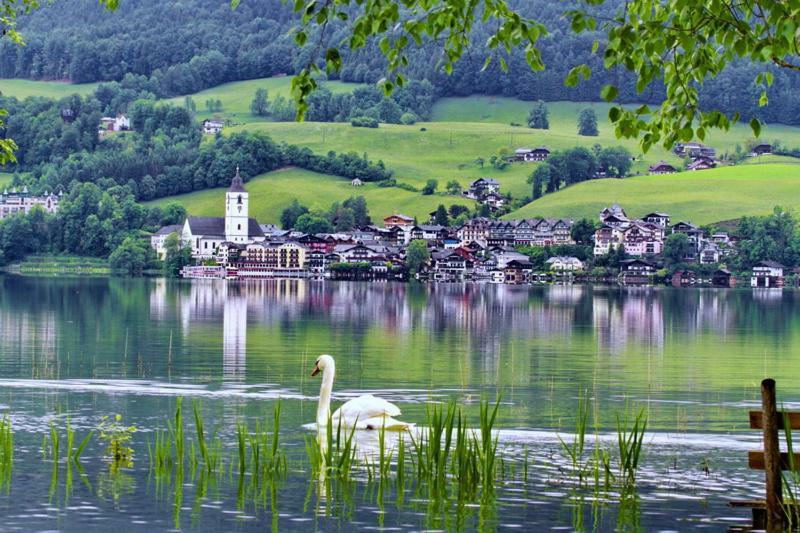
205, 234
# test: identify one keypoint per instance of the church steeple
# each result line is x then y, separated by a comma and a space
237, 184
237, 223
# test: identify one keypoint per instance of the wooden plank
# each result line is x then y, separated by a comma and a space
747, 503
757, 419
756, 461
773, 459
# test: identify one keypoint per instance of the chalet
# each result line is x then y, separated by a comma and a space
479, 188
475, 230
702, 163
212, 127
606, 239
564, 264
317, 243
517, 271
615, 221
504, 256
768, 274
450, 266
501, 234
640, 239
614, 210
529, 155
398, 220
694, 149
494, 200
761, 149
723, 278
694, 234
636, 272
660, 219
355, 182
710, 254
428, 232
662, 167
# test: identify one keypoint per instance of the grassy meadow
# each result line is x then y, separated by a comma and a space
236, 96
700, 197
22, 89
5, 179
272, 192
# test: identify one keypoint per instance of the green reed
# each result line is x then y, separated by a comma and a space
6, 453
266, 458
630, 441
74, 453
574, 451
790, 483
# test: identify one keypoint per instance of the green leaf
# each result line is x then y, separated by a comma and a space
755, 125
609, 92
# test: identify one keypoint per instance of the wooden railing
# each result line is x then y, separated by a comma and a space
771, 513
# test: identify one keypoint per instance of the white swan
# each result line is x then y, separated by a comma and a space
364, 412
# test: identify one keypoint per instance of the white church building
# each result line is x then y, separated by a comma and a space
205, 234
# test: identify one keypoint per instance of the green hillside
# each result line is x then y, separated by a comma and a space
5, 178
50, 89
700, 197
271, 193
236, 96
445, 151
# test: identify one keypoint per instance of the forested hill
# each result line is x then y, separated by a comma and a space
184, 46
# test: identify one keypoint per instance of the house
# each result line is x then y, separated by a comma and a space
694, 149
710, 254
641, 239
761, 149
159, 238
212, 127
701, 163
517, 271
768, 274
450, 266
475, 230
564, 264
662, 167
356, 182
660, 219
723, 278
615, 210
606, 239
262, 259
494, 200
503, 256
118, 123
684, 278
21, 202
529, 155
481, 187
398, 220
694, 234
636, 272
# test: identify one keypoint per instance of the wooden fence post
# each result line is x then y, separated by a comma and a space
772, 457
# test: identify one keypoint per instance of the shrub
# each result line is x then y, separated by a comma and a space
364, 122
408, 119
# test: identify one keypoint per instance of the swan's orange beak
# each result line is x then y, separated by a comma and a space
315, 371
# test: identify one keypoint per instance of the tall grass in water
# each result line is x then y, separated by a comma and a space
6, 453
630, 441
791, 483
574, 451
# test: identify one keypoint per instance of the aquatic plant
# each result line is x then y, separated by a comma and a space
117, 439
574, 451
629, 442
6, 452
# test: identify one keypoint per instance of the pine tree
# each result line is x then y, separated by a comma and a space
538, 117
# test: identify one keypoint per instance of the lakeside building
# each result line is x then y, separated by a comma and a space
16, 202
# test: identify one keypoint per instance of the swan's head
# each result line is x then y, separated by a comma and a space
323, 362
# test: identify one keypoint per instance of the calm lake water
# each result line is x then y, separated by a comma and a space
87, 348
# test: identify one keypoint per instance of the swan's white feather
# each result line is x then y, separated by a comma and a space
368, 411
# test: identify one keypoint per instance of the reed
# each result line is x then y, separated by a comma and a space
790, 483
574, 451
630, 441
6, 453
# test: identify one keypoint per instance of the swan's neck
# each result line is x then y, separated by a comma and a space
324, 406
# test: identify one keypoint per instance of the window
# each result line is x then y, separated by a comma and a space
238, 227
239, 200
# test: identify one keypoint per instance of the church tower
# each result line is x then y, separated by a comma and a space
236, 217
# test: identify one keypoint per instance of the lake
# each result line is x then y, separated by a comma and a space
86, 348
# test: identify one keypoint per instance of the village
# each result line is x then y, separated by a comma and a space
620, 249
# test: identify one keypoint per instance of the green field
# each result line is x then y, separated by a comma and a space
701, 197
50, 89
236, 96
271, 193
5, 179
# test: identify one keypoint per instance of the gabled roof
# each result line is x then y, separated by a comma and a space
166, 230
770, 264
216, 226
